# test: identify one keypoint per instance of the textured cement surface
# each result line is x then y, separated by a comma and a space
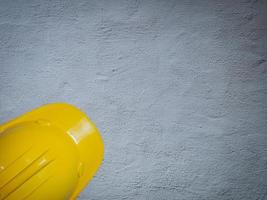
177, 88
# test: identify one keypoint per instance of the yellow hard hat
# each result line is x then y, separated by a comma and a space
50, 153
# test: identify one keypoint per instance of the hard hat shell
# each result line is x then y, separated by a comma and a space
51, 152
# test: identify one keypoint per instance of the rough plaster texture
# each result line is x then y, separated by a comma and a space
177, 88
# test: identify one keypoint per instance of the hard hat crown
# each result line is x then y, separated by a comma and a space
48, 157
37, 156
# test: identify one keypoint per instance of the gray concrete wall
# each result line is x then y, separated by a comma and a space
177, 88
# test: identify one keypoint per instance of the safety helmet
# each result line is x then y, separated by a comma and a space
50, 153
